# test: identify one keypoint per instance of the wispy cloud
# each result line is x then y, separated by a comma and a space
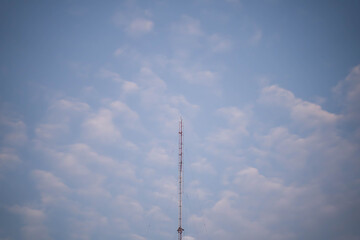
159, 157
8, 158
15, 133
125, 110
134, 24
34, 222
237, 120
139, 26
119, 51
189, 34
104, 73
202, 165
219, 43
256, 37
197, 76
52, 189
349, 92
157, 213
188, 26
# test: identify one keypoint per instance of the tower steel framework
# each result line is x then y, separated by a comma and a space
180, 229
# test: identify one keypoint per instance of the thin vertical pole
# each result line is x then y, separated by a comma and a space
180, 229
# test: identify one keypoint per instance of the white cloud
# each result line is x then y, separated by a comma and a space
60, 116
70, 105
349, 91
188, 26
151, 86
198, 192
237, 127
8, 158
104, 183
301, 150
139, 26
289, 149
104, 73
203, 166
51, 187
150, 80
137, 237
312, 114
134, 23
235, 117
195, 76
70, 163
130, 87
127, 87
80, 69
157, 214
204, 77
251, 180
223, 136
85, 155
219, 43
180, 100
48, 182
87, 173
166, 188
189, 238
189, 35
165, 109
31, 215
130, 208
168, 116
34, 228
94, 192
90, 176
302, 112
119, 51
15, 134
351, 85
125, 110
158, 156
227, 222
258, 209
256, 37
87, 223
101, 127
50, 131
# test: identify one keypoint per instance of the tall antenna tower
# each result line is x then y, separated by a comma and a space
180, 229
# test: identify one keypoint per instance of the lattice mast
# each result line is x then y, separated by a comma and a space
180, 229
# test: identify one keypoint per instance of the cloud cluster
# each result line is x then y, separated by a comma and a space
13, 138
292, 179
95, 155
302, 112
266, 181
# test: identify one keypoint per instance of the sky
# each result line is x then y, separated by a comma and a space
92, 93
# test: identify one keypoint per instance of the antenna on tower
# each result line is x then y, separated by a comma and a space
180, 229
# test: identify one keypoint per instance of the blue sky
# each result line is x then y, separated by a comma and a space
91, 96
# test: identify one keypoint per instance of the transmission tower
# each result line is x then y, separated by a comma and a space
180, 229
